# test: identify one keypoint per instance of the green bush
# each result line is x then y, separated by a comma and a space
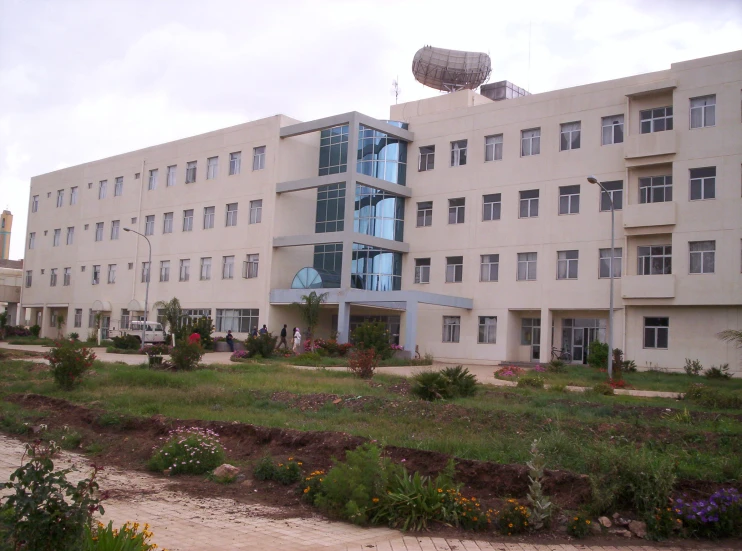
451, 382
721, 372
531, 381
189, 451
578, 526
363, 362
693, 367
714, 398
69, 363
74, 336
556, 366
285, 473
373, 334
126, 538
186, 356
263, 345
35, 330
126, 342
603, 389
513, 518
597, 354
203, 326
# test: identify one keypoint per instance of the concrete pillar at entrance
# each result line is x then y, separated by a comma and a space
546, 343
343, 322
410, 328
45, 329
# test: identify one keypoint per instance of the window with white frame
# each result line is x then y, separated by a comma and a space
118, 186
78, 317
98, 231
656, 120
149, 224
35, 203
73, 195
60, 198
612, 130
152, 184
205, 268
29, 278
188, 220
702, 257
703, 111
115, 226
703, 183
112, 273
567, 264
227, 267
427, 158
67, 277
145, 272
655, 189
212, 168
527, 266
569, 136
654, 260
456, 210
451, 328
91, 318
53, 277
235, 159
184, 269
454, 269
53, 318
70, 235
528, 203
491, 206
422, 270
56, 238
102, 189
209, 217
605, 263
656, 332
613, 191
164, 270
256, 211
231, 214
191, 172
171, 174
487, 330
31, 240
493, 148
424, 214
167, 222
530, 142
569, 199
96, 274
250, 266
238, 320
489, 268
458, 153
258, 158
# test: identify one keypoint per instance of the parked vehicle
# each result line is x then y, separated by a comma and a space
154, 332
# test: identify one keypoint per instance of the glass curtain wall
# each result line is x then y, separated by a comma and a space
382, 156
333, 150
378, 213
375, 269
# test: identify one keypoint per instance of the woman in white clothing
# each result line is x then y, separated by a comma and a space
297, 341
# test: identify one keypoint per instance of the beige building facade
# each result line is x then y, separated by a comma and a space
466, 224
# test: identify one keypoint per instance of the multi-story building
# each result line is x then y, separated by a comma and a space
466, 224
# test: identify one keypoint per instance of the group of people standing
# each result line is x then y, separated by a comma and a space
296, 338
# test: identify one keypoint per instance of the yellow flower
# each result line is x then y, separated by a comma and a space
587, 522
306, 490
375, 500
576, 518
439, 490
510, 525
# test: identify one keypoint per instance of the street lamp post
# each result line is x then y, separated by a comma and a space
149, 274
594, 180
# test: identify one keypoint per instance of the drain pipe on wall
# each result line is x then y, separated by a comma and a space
136, 249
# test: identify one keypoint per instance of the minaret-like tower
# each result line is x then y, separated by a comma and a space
6, 223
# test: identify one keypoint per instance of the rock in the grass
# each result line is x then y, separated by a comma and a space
226, 471
595, 528
621, 532
638, 528
605, 522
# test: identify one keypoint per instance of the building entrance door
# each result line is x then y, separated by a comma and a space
530, 335
577, 334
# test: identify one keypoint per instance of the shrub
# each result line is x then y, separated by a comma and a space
621, 365
126, 342
69, 363
721, 372
558, 387
363, 362
597, 354
556, 366
605, 389
45, 511
203, 326
35, 330
373, 334
713, 398
509, 372
333, 347
285, 473
263, 345
451, 382
540, 504
238, 356
513, 519
126, 538
718, 516
188, 451
578, 526
17, 331
531, 381
186, 355
74, 336
660, 523
693, 367
156, 349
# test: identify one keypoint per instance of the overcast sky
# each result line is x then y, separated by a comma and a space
81, 80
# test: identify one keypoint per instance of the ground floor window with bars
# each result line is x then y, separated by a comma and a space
239, 320
487, 330
451, 328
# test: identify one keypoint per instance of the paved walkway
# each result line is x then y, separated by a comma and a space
183, 523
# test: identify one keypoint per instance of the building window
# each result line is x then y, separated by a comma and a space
212, 167
60, 198
654, 260
73, 195
171, 171
256, 211
330, 214
567, 264
530, 142
56, 238
427, 158
29, 278
487, 330
205, 268
656, 332
454, 269
374, 268
613, 130
530, 331
258, 158
604, 269
118, 186
78, 317
35, 203
70, 235
422, 270
702, 183
191, 172
102, 189
569, 199
67, 276
702, 257
489, 267
145, 272
91, 318
164, 270
570, 136
240, 320
227, 267
53, 277
424, 214
333, 150
529, 203
656, 120
526, 266
657, 189
703, 111
152, 184
149, 224
235, 159
451, 328
378, 213
493, 148
115, 225
456, 210
125, 317
250, 266
231, 215
491, 207
184, 270
188, 220
329, 260
32, 240
112, 273
53, 318
614, 190
98, 231
96, 274
458, 153
209, 217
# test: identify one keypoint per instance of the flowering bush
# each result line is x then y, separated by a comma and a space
126, 538
509, 372
285, 473
312, 485
239, 355
620, 383
718, 516
186, 355
69, 363
188, 451
661, 523
396, 347
531, 381
363, 363
156, 349
539, 368
578, 526
513, 519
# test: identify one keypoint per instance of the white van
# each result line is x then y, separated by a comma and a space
154, 332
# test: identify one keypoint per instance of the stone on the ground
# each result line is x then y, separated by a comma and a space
621, 532
605, 522
596, 528
638, 528
226, 471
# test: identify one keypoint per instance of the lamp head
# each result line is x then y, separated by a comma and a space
592, 179
127, 229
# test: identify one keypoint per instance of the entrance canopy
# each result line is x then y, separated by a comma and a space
101, 306
134, 306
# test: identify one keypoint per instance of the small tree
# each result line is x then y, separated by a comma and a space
69, 363
310, 311
203, 326
60, 324
172, 312
3, 323
374, 335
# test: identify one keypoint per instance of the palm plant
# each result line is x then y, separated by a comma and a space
172, 313
309, 310
733, 336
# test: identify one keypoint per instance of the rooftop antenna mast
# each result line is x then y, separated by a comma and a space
528, 80
396, 90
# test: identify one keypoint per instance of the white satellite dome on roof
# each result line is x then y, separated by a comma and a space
450, 70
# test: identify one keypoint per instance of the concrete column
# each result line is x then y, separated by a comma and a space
343, 321
546, 344
410, 328
45, 329
350, 200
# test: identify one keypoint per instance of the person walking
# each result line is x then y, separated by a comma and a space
230, 340
283, 338
297, 341
263, 330
254, 332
